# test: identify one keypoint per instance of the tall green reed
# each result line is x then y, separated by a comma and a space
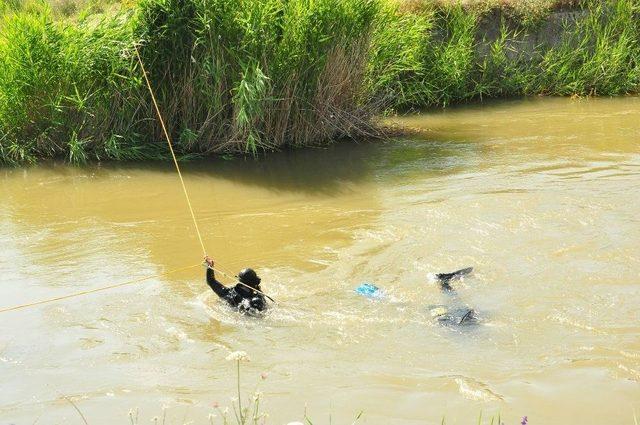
58, 84
246, 76
600, 56
450, 60
230, 76
251, 75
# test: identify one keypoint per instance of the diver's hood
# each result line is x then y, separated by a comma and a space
249, 277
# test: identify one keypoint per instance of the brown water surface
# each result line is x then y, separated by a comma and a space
541, 197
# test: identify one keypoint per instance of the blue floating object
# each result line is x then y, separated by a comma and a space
369, 290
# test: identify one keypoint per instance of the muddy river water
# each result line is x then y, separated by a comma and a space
541, 197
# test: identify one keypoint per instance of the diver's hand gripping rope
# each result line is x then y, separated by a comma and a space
236, 281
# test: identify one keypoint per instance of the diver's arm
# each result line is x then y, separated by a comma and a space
213, 283
221, 290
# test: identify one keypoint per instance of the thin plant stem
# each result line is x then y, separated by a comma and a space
77, 409
239, 395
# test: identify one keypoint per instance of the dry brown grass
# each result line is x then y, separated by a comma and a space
524, 8
70, 8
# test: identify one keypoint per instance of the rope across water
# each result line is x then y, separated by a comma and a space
92, 291
193, 217
119, 285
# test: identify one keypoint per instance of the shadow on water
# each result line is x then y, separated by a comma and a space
327, 170
308, 170
311, 170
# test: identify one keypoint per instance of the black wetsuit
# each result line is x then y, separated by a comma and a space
239, 296
454, 311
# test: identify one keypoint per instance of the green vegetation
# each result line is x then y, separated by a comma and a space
62, 87
245, 76
435, 56
230, 76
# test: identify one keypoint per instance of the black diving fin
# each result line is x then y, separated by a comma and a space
445, 278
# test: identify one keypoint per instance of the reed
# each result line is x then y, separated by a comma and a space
59, 83
238, 76
601, 57
439, 60
258, 75
248, 76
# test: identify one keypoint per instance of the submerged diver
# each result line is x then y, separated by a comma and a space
246, 296
455, 312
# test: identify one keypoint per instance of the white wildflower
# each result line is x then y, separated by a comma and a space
238, 356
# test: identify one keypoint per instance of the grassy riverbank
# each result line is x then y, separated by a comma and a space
446, 55
247, 76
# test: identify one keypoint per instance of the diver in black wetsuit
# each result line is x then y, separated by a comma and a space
455, 312
240, 296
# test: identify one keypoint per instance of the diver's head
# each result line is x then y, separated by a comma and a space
249, 277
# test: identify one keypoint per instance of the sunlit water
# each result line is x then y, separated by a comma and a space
541, 197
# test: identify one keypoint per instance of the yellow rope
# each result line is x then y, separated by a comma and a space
91, 291
173, 155
193, 217
236, 281
175, 161
225, 272
118, 285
